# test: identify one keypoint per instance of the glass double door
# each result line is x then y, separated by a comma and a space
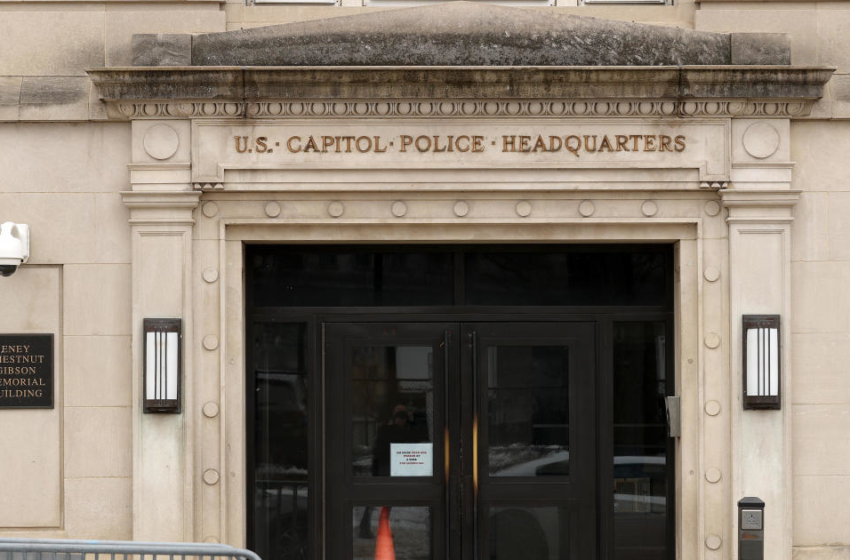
460, 440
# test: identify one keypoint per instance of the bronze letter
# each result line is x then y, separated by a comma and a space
573, 148
587, 144
605, 142
427, 146
539, 144
405, 142
437, 145
508, 143
665, 144
680, 143
311, 145
244, 147
621, 143
477, 144
649, 143
378, 149
262, 147
368, 144
289, 144
466, 149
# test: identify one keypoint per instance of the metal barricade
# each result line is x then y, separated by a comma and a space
64, 549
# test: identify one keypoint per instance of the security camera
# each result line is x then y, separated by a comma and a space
14, 247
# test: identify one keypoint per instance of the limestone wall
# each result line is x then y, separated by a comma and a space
820, 256
66, 471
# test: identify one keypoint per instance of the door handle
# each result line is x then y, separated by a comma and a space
473, 339
447, 441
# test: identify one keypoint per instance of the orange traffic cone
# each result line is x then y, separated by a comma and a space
384, 549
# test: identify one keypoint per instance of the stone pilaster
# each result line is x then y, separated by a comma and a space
161, 207
759, 206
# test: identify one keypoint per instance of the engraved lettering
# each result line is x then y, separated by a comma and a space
360, 145
573, 144
649, 143
437, 145
405, 142
477, 143
289, 144
605, 143
241, 144
378, 149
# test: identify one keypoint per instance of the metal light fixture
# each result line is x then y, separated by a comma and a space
162, 369
762, 362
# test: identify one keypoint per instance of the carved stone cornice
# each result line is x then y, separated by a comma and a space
760, 206
161, 207
741, 108
422, 92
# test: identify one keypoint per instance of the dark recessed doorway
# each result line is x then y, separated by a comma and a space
475, 402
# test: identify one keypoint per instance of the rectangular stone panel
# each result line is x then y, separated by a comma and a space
607, 144
98, 442
97, 371
71, 158
97, 299
98, 508
30, 444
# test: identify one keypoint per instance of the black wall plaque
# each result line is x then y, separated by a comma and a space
26, 371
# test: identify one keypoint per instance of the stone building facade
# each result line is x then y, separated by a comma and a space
162, 151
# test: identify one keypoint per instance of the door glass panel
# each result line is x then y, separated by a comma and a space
640, 441
280, 440
528, 411
377, 530
392, 394
530, 533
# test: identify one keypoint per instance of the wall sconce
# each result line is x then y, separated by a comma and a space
163, 369
762, 361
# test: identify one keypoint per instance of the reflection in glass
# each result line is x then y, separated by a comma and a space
640, 441
407, 530
631, 276
530, 533
528, 410
280, 440
321, 277
392, 395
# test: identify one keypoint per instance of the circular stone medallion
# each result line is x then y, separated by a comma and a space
761, 140
161, 141
461, 208
523, 208
586, 208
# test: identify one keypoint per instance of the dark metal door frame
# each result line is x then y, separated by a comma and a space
316, 319
461, 377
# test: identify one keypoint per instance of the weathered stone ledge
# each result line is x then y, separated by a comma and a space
461, 34
172, 84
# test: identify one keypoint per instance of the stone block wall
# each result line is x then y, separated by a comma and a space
820, 334
68, 470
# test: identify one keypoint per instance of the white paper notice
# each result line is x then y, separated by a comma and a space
411, 459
